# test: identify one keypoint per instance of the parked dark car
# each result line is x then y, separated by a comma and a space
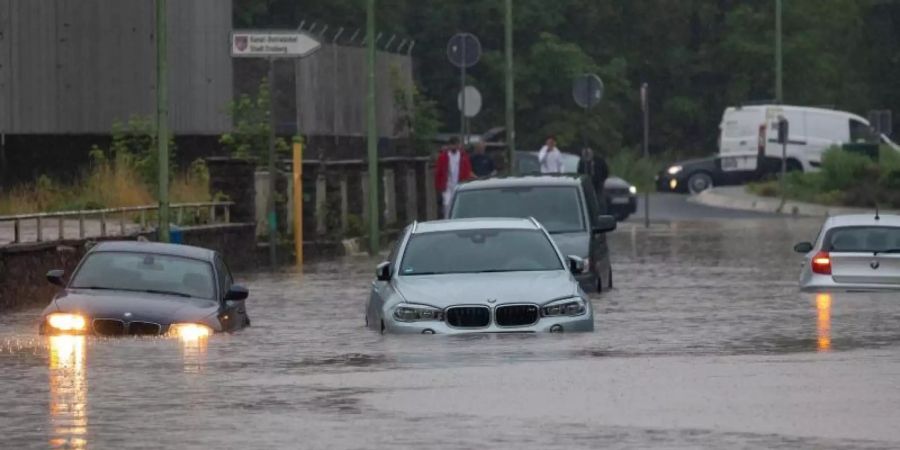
565, 205
697, 175
619, 197
146, 288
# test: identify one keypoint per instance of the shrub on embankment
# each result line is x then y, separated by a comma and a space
122, 175
845, 179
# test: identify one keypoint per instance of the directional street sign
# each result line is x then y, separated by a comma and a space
272, 44
472, 101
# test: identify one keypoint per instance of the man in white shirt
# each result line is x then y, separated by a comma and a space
550, 157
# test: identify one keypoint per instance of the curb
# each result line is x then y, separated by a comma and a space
721, 198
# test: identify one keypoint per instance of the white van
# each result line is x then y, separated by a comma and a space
747, 131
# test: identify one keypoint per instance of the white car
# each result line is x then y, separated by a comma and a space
853, 252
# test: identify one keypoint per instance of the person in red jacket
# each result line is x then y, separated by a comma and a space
453, 166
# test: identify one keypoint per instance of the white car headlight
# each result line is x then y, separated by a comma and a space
674, 170
574, 306
66, 322
417, 313
632, 189
190, 331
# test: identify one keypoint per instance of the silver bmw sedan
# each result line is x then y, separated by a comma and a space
853, 252
478, 275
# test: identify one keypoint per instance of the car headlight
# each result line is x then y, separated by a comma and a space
674, 170
417, 313
190, 331
632, 189
567, 307
66, 322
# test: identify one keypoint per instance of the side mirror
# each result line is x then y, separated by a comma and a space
237, 293
383, 271
576, 264
57, 277
605, 224
803, 247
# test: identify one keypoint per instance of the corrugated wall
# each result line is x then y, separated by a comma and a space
77, 66
331, 91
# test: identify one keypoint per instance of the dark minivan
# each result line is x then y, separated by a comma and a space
566, 206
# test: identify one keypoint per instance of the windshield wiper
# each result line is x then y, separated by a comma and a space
156, 291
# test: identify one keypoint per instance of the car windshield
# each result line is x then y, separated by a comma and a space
558, 208
144, 272
863, 239
475, 251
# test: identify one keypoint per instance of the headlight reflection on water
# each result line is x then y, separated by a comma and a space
193, 339
823, 323
68, 392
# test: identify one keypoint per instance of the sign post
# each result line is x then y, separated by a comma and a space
645, 108
510, 90
272, 45
162, 120
783, 133
464, 51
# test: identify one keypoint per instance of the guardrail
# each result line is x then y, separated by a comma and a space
118, 216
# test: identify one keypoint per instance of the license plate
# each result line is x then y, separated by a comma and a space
619, 200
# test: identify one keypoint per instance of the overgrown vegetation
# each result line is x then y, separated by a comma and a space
630, 165
250, 139
845, 178
417, 115
125, 174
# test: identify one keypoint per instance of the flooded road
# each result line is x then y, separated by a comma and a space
704, 343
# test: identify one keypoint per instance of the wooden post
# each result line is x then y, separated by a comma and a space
412, 196
390, 198
122, 224
62, 228
212, 213
143, 219
298, 201
81, 225
430, 196
345, 205
321, 206
40, 229
103, 223
17, 231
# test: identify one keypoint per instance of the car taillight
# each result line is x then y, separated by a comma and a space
821, 263
761, 145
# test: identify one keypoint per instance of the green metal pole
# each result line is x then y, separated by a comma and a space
510, 91
272, 216
372, 142
162, 120
779, 93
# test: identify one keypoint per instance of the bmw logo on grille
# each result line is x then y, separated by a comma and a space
874, 265
492, 300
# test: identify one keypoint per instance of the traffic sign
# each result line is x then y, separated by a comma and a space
464, 50
587, 90
272, 44
472, 101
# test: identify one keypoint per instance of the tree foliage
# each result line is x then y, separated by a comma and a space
698, 57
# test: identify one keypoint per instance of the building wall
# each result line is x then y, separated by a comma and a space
78, 66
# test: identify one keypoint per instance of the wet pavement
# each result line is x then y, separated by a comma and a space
704, 343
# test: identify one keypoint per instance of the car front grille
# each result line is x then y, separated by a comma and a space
516, 315
116, 327
143, 329
468, 316
109, 327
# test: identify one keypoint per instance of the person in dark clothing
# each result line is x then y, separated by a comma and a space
595, 167
482, 164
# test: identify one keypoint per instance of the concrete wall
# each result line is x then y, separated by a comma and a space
23, 267
77, 66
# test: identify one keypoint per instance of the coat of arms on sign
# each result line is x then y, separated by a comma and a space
240, 42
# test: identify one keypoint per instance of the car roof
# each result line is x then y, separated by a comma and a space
526, 181
480, 223
850, 220
185, 251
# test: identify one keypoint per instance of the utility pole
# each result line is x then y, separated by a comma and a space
510, 91
779, 93
372, 141
162, 120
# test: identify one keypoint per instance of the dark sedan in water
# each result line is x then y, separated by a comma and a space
694, 176
145, 288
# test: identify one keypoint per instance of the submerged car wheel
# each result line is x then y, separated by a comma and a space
699, 182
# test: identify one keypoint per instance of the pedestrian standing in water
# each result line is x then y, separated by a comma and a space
452, 167
595, 167
550, 157
482, 164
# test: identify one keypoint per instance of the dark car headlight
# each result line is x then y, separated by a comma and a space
417, 313
574, 306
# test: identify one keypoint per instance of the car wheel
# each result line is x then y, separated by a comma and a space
699, 182
793, 166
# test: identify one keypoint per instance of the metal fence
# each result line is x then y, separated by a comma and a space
96, 222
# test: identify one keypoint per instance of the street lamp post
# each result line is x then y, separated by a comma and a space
162, 120
779, 93
372, 141
510, 91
